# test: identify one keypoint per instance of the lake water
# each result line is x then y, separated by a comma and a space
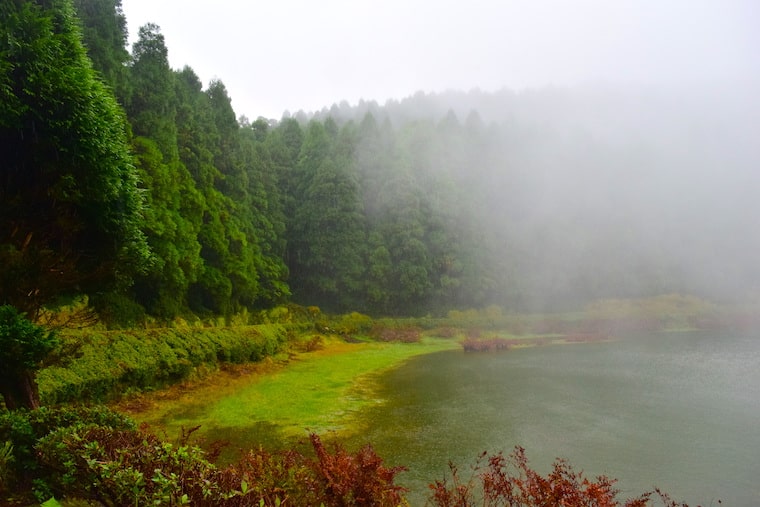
680, 411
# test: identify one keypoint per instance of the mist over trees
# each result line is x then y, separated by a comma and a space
538, 200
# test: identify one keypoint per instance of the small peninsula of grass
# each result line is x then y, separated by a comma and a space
314, 391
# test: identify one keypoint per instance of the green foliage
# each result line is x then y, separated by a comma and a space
113, 362
23, 344
326, 234
23, 347
353, 323
104, 33
24, 428
68, 192
264, 201
171, 199
117, 310
123, 467
150, 105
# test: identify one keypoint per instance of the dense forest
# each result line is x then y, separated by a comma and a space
539, 200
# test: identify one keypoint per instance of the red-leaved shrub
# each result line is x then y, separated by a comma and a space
508, 481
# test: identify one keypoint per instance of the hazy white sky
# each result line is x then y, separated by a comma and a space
277, 55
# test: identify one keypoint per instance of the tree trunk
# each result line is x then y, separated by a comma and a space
21, 391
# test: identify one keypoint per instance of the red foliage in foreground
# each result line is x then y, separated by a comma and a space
129, 467
509, 481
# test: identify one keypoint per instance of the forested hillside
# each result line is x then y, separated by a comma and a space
537, 200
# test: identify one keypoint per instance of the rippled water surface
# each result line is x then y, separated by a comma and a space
680, 411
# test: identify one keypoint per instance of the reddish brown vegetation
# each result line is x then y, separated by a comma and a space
486, 345
335, 478
509, 481
494, 344
129, 467
408, 334
475, 344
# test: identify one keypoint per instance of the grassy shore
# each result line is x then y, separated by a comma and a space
280, 399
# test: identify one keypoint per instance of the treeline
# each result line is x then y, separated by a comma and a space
249, 214
435, 202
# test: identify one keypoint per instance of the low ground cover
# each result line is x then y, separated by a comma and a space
315, 391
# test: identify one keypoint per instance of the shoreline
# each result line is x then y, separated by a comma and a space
278, 400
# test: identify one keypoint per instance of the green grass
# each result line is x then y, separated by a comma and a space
318, 391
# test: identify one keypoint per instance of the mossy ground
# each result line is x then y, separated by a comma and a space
279, 400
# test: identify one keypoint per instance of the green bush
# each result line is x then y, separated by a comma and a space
353, 323
24, 428
123, 467
112, 362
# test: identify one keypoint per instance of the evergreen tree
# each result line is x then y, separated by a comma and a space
331, 229
104, 31
70, 206
23, 347
151, 105
198, 145
174, 204
68, 192
242, 252
265, 202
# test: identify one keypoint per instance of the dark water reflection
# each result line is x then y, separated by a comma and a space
679, 411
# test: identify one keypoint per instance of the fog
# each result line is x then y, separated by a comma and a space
580, 149
578, 193
299, 54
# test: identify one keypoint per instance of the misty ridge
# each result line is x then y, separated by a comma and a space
559, 196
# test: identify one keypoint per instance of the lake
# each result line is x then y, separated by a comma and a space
680, 411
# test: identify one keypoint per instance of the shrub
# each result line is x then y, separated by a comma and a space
108, 363
403, 334
509, 481
272, 479
353, 323
123, 467
128, 467
485, 345
359, 479
23, 429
